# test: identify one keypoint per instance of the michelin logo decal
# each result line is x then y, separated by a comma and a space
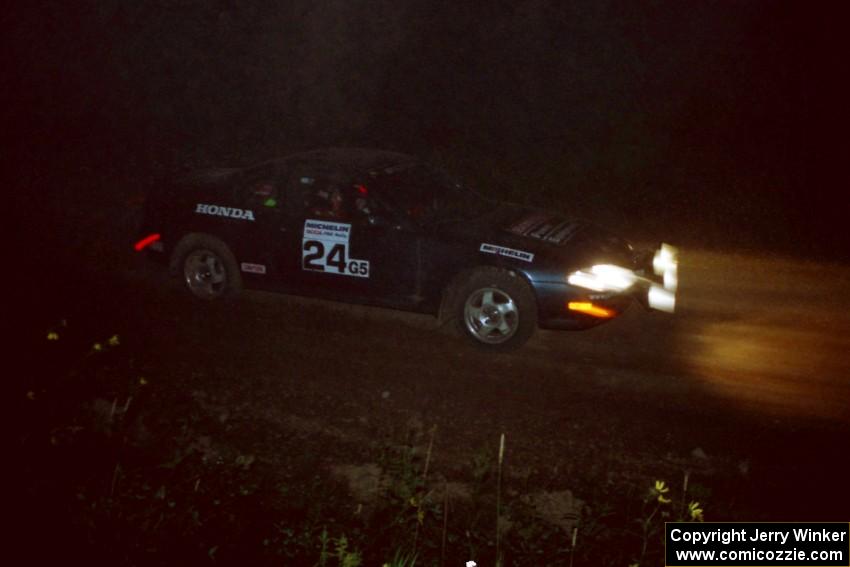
508, 252
325, 249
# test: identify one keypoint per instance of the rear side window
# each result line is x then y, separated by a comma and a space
324, 198
262, 187
264, 193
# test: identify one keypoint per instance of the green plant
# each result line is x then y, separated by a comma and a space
324, 553
407, 503
482, 465
337, 548
401, 559
344, 556
657, 509
499, 502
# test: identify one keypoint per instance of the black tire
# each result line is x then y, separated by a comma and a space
207, 267
494, 308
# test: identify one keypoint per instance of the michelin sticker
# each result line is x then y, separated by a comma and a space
507, 252
325, 249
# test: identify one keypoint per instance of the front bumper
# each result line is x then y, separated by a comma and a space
564, 306
560, 306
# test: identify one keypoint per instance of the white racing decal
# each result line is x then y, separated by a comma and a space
509, 252
325, 249
253, 268
219, 211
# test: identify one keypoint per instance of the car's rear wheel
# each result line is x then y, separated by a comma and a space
495, 309
208, 267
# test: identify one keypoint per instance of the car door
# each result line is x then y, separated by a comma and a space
394, 254
350, 252
267, 257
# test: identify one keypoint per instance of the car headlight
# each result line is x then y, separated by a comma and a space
603, 277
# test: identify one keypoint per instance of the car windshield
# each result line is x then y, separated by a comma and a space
428, 195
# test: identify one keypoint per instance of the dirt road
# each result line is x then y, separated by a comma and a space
763, 336
750, 377
744, 391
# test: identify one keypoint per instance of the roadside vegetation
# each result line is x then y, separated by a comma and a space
133, 471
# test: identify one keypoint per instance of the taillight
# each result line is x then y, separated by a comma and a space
145, 242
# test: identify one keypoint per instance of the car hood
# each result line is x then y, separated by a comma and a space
552, 237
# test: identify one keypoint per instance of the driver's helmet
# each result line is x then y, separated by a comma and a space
331, 203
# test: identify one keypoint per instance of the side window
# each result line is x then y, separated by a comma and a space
411, 193
366, 209
325, 199
264, 192
260, 187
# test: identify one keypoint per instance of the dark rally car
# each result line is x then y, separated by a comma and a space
384, 228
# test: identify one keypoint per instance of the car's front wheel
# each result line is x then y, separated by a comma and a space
495, 309
208, 267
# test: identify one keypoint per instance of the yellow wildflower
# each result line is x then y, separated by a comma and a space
661, 489
695, 511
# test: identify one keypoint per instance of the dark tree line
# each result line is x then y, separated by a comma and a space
652, 111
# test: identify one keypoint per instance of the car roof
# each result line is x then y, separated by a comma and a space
348, 160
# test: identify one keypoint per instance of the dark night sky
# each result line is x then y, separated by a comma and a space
712, 123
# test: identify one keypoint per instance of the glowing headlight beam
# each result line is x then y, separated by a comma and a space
661, 299
665, 263
603, 277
